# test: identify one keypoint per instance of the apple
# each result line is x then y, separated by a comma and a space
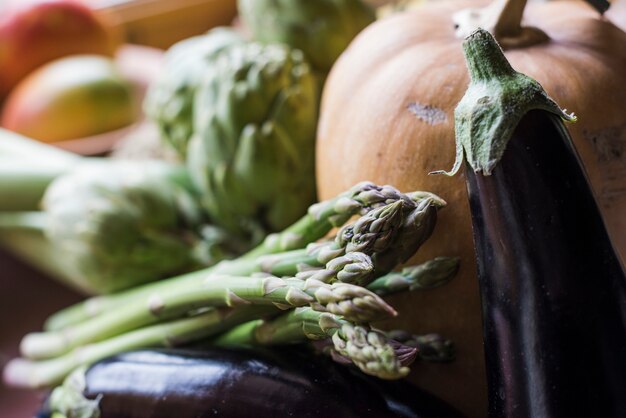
35, 32
69, 98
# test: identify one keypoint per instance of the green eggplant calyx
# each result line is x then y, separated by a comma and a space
68, 400
496, 100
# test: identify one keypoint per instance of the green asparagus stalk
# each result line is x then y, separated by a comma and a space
354, 267
352, 302
368, 349
372, 232
308, 288
428, 275
99, 305
290, 262
38, 374
418, 224
389, 235
323, 216
304, 323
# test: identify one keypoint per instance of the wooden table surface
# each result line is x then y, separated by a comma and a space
27, 297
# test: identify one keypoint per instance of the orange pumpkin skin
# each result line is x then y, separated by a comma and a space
387, 116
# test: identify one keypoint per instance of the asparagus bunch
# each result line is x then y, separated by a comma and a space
288, 247
330, 290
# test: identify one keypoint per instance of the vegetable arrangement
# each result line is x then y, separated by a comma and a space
249, 172
387, 116
327, 282
242, 115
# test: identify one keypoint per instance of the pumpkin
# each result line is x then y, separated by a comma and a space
387, 116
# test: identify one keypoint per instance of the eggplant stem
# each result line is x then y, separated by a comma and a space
494, 103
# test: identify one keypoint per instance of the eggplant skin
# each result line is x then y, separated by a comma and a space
232, 383
552, 288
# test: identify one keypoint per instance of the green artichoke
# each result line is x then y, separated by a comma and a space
252, 152
169, 101
322, 29
120, 224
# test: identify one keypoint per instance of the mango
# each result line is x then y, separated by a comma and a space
70, 98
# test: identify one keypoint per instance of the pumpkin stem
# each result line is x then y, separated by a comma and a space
496, 100
503, 18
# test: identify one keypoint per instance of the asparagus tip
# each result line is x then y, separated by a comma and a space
435, 200
18, 373
42, 345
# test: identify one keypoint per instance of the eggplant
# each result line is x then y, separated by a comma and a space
231, 383
553, 289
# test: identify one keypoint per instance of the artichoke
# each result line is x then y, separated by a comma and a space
169, 101
322, 29
119, 224
252, 151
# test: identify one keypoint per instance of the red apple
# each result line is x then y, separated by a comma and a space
35, 32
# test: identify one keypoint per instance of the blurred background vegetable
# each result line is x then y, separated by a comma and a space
105, 224
118, 224
252, 151
68, 98
47, 30
169, 102
321, 29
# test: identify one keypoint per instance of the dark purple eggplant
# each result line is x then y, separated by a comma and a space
553, 289
234, 383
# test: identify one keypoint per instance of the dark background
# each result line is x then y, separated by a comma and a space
27, 297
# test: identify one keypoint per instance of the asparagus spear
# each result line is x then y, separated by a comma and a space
372, 232
320, 219
323, 216
36, 374
432, 273
368, 349
352, 302
301, 323
304, 323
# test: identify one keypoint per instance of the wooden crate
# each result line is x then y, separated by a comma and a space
161, 23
